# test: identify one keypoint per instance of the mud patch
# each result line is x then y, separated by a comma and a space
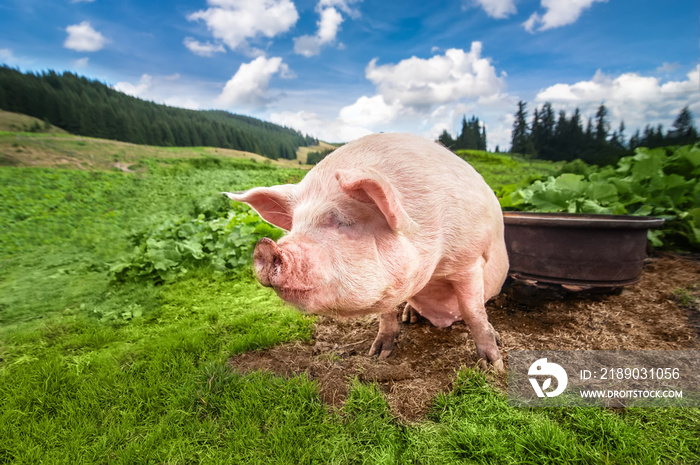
425, 359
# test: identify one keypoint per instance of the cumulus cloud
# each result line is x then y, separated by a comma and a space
330, 130
634, 98
249, 86
83, 38
328, 24
82, 62
498, 9
140, 90
234, 22
427, 95
559, 13
206, 50
370, 111
420, 84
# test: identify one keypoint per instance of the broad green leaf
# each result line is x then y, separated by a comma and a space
591, 206
644, 210
695, 215
647, 166
654, 236
601, 192
551, 200
571, 182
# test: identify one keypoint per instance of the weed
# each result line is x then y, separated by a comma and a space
686, 298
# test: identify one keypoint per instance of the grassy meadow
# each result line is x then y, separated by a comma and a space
124, 290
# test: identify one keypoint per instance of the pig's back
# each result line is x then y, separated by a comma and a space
434, 183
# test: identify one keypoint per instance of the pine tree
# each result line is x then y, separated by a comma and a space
446, 139
635, 140
684, 131
602, 126
520, 139
542, 139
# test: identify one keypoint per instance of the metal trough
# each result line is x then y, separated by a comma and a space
587, 251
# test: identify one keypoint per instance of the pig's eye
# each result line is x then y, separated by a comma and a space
340, 221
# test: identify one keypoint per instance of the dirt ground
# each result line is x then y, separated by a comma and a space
660, 312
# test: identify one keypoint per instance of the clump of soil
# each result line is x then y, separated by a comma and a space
647, 315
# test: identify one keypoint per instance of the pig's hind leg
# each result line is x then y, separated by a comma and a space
409, 314
469, 290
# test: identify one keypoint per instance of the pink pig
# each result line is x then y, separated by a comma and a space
387, 219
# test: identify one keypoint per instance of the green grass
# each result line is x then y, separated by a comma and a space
94, 371
500, 169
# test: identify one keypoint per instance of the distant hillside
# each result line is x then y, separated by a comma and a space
91, 108
17, 122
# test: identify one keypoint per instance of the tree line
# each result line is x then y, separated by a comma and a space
473, 136
91, 108
563, 137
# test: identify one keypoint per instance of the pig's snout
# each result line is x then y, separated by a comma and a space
267, 260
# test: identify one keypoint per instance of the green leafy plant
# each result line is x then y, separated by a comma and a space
661, 182
224, 241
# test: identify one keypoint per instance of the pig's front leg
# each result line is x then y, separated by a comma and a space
388, 330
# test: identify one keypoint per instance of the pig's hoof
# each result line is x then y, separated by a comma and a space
496, 365
409, 315
382, 345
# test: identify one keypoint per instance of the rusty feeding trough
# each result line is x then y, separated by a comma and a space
577, 251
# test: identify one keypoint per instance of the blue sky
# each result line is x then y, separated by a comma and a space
339, 69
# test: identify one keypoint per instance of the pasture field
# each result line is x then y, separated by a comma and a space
120, 308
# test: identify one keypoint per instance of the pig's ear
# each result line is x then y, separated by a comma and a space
369, 186
273, 204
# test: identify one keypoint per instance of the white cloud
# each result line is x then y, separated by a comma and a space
328, 24
370, 111
170, 90
667, 67
82, 1
329, 130
249, 86
422, 83
233, 22
82, 62
342, 5
307, 45
638, 100
206, 50
498, 9
559, 13
137, 90
6, 56
83, 38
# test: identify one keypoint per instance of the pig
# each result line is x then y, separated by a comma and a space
383, 220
